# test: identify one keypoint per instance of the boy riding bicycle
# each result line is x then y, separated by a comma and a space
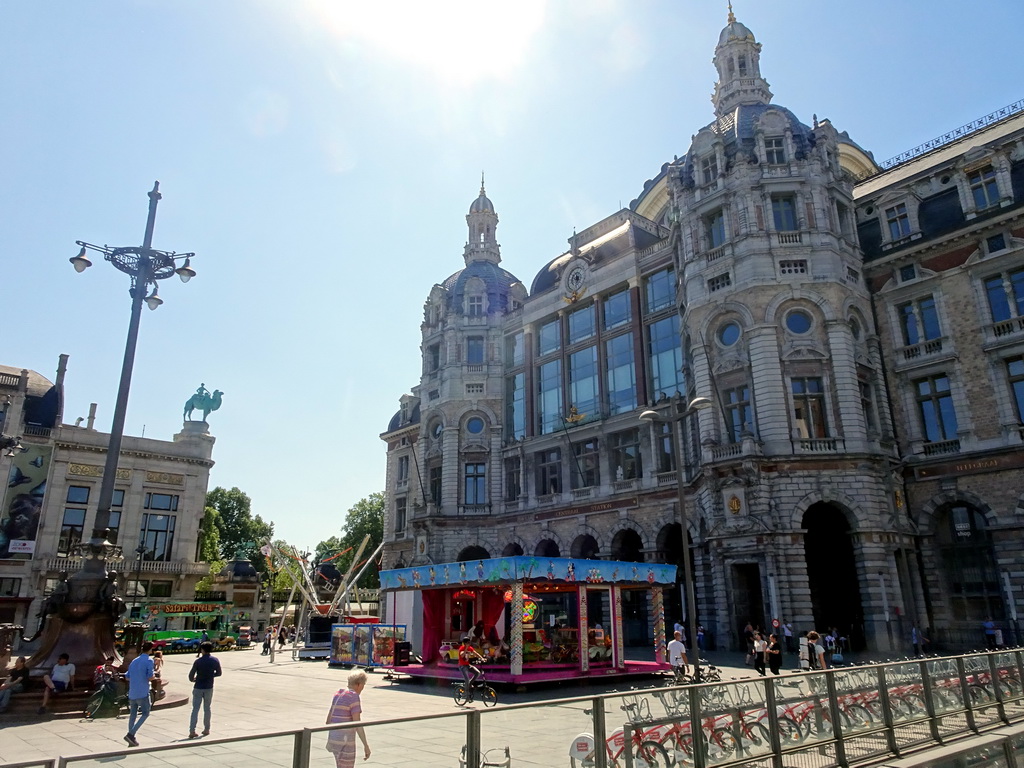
469, 672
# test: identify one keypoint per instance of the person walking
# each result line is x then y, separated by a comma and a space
140, 673
204, 670
346, 708
787, 632
774, 654
677, 655
760, 647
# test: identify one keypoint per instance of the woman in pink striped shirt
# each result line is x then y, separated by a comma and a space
346, 709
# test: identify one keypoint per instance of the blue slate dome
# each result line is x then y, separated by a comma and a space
396, 420
482, 204
547, 277
497, 282
735, 30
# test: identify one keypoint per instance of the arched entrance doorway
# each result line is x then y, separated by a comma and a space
474, 552
627, 546
512, 550
547, 548
584, 547
832, 573
670, 551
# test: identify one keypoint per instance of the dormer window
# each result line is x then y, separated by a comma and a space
709, 169
775, 151
475, 306
898, 220
984, 188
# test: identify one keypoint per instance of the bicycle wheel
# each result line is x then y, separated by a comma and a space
94, 705
790, 731
650, 754
488, 696
462, 694
757, 734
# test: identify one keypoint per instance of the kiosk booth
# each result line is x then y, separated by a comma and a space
535, 619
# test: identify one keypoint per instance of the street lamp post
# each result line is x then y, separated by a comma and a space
86, 611
140, 551
680, 410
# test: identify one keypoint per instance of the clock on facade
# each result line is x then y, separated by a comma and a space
575, 279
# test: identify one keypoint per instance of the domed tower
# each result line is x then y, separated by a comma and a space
444, 443
799, 510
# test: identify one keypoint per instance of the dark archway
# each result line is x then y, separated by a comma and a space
584, 547
512, 550
670, 551
832, 573
547, 548
627, 546
473, 552
969, 565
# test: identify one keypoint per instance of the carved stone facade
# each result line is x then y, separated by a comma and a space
943, 242
737, 276
159, 500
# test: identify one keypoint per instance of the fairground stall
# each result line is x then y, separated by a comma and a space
534, 619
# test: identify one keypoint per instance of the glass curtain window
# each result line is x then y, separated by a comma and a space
549, 338
157, 536
616, 310
664, 447
549, 400
624, 450
809, 407
738, 413
935, 406
666, 357
475, 487
583, 381
586, 471
515, 406
514, 350
660, 290
581, 324
621, 373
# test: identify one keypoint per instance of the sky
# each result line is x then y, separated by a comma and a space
320, 156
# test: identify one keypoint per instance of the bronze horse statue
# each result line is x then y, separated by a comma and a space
202, 402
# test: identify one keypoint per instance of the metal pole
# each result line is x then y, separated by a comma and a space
691, 592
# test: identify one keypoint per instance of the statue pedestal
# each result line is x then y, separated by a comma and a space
88, 642
195, 428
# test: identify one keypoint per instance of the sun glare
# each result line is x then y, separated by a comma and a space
456, 41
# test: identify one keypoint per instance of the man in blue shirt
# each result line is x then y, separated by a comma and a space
139, 674
204, 670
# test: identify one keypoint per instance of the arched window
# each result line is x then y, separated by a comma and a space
968, 564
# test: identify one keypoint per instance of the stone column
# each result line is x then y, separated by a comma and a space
849, 414
768, 391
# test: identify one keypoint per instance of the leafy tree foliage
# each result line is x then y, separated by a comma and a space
366, 517
240, 533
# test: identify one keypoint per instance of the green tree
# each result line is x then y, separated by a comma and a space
366, 517
209, 548
240, 533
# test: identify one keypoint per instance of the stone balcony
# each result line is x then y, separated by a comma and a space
176, 567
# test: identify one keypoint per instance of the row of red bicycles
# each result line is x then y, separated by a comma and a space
734, 718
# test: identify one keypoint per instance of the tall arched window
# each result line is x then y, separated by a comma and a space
969, 565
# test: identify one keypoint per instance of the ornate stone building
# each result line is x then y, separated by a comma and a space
737, 276
942, 233
52, 490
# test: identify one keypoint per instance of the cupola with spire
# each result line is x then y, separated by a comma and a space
738, 61
482, 244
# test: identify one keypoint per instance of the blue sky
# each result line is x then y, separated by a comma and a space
320, 157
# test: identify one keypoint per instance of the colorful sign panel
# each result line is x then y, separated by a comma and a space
23, 502
170, 610
365, 645
502, 570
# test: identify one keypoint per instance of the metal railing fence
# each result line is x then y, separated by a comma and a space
839, 717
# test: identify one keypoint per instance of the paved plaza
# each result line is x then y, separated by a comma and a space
257, 697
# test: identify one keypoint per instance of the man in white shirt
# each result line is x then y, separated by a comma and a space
60, 679
677, 654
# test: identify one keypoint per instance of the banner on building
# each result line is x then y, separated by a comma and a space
23, 502
171, 610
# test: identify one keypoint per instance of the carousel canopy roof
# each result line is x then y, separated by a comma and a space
504, 570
